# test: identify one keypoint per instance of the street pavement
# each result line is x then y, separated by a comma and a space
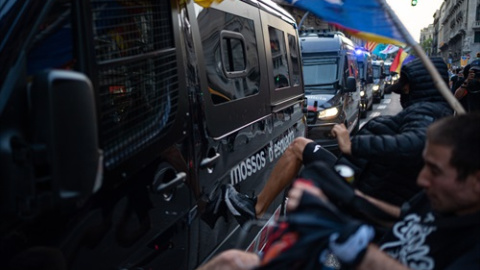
389, 105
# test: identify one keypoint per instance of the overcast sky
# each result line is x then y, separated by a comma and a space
417, 17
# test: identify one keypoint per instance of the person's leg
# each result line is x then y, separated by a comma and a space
285, 170
233, 260
300, 152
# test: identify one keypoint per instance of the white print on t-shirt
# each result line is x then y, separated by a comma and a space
411, 249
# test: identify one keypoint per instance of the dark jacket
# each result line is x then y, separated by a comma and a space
388, 149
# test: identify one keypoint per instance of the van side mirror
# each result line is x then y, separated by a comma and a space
65, 134
351, 85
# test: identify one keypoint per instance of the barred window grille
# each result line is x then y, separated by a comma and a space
137, 74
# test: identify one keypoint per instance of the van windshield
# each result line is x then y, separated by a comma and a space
320, 71
376, 72
387, 70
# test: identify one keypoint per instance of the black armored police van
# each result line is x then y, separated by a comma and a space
365, 72
121, 121
332, 85
378, 80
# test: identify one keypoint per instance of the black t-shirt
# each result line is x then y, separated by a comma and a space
426, 240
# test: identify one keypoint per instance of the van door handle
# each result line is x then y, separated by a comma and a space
209, 161
175, 182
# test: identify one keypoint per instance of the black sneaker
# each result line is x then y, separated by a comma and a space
240, 205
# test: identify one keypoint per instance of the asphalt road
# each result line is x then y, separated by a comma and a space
389, 105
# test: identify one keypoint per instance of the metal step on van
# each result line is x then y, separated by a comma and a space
120, 121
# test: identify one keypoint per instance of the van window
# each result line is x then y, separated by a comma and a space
294, 58
387, 69
232, 64
53, 43
279, 58
230, 53
320, 70
352, 65
377, 71
233, 53
369, 69
137, 75
347, 70
361, 70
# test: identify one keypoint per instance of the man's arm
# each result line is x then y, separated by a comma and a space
386, 207
340, 132
376, 259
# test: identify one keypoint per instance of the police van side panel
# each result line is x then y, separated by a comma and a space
109, 165
253, 92
126, 102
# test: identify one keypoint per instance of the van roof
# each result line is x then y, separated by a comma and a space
274, 8
312, 43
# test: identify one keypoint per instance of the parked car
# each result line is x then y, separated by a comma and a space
332, 85
121, 120
378, 80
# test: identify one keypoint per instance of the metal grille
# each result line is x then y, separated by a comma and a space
137, 75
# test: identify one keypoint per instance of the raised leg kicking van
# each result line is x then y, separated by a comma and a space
332, 85
120, 120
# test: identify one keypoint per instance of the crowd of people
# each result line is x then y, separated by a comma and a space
415, 198
465, 84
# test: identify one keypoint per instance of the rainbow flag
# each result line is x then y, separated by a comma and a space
402, 58
365, 19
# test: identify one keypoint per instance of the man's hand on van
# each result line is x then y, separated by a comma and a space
340, 132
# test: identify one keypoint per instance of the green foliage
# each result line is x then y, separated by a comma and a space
427, 46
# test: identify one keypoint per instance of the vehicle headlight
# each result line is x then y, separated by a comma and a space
362, 93
328, 113
376, 87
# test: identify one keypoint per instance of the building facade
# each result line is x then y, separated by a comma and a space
426, 39
457, 29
